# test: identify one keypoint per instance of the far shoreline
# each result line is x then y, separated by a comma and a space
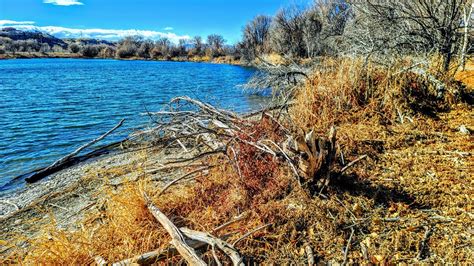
224, 60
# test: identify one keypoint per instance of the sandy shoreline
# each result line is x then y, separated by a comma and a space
65, 196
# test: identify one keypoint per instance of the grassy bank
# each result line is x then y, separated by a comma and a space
198, 59
259, 183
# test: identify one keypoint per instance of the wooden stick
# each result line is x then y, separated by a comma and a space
183, 177
250, 233
64, 160
157, 255
424, 244
177, 239
228, 249
346, 251
352, 163
224, 225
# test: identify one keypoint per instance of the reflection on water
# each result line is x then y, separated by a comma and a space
49, 107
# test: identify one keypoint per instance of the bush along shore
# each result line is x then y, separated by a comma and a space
364, 156
23, 44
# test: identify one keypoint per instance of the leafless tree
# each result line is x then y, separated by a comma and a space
145, 49
287, 32
255, 37
216, 44
395, 27
466, 21
198, 45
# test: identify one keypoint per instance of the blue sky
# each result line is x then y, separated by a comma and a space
111, 19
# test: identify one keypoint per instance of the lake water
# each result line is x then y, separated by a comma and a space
49, 107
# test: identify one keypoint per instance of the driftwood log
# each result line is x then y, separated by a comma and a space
177, 238
66, 160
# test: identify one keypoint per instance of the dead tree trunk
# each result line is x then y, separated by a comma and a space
466, 20
316, 156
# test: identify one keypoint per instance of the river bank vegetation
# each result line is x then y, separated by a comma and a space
365, 156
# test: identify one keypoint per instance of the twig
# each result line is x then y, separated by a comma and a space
224, 225
250, 233
424, 244
352, 163
183, 177
346, 251
11, 204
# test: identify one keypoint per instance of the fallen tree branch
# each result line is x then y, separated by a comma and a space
57, 165
228, 249
157, 255
177, 239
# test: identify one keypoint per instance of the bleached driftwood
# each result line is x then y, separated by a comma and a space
177, 239
59, 164
228, 249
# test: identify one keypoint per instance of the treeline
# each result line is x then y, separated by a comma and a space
163, 48
363, 27
130, 47
29, 46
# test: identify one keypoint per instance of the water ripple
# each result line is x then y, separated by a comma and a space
49, 107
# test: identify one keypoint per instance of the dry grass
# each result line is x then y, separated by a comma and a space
417, 177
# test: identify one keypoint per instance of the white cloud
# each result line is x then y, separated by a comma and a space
63, 2
168, 28
105, 34
7, 22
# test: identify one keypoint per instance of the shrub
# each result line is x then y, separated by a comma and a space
90, 51
126, 51
74, 48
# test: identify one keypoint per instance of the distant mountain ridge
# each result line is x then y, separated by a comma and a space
42, 37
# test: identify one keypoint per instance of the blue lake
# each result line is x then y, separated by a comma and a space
49, 107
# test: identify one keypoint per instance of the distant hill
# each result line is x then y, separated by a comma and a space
41, 37
89, 41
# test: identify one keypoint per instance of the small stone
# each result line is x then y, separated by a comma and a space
464, 130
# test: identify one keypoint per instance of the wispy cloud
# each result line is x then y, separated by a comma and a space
168, 28
7, 22
96, 33
63, 2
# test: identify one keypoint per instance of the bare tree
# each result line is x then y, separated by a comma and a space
394, 26
162, 48
198, 45
145, 49
255, 37
467, 17
312, 27
216, 43
287, 32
